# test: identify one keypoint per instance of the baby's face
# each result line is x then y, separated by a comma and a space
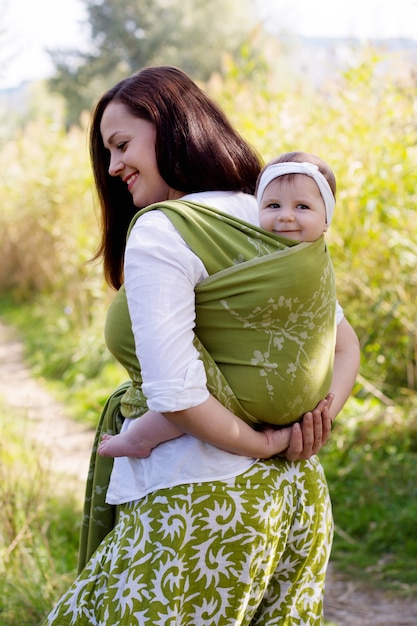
293, 208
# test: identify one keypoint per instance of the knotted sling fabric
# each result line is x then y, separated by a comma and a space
265, 322
99, 517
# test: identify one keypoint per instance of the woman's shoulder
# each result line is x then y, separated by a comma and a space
238, 204
153, 225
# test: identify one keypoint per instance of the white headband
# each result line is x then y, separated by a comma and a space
294, 167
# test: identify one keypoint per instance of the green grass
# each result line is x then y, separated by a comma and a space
370, 466
39, 529
370, 461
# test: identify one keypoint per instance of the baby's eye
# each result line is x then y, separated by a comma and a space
302, 206
273, 205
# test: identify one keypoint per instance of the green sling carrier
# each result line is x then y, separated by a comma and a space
265, 330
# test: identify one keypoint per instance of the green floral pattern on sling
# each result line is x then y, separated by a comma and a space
265, 323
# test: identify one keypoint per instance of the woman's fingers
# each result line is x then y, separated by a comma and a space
314, 431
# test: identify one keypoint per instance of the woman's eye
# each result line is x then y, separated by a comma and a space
121, 146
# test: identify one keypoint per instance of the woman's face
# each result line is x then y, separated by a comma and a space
131, 143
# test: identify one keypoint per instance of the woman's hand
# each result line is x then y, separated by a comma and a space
309, 436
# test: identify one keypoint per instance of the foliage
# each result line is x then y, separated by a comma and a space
364, 124
49, 229
71, 358
46, 211
39, 531
125, 37
370, 469
49, 233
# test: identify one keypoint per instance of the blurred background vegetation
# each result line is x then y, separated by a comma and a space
362, 120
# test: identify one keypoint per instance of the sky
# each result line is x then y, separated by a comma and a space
28, 27
340, 18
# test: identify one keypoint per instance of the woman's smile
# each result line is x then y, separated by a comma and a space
129, 180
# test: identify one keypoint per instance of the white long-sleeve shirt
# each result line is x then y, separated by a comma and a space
161, 273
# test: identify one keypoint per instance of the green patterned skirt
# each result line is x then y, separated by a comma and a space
249, 550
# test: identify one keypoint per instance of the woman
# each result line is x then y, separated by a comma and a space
207, 531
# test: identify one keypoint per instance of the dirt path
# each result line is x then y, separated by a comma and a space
68, 452
67, 443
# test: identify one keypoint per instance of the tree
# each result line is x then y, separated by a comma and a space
125, 36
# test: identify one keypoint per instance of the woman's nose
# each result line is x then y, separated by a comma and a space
115, 166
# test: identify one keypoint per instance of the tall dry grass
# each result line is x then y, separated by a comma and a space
48, 222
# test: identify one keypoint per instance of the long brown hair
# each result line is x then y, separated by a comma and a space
197, 149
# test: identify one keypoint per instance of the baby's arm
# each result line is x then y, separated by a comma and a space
346, 366
144, 434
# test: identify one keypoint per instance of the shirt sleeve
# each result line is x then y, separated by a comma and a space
160, 275
339, 313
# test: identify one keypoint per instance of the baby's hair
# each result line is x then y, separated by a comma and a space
303, 157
